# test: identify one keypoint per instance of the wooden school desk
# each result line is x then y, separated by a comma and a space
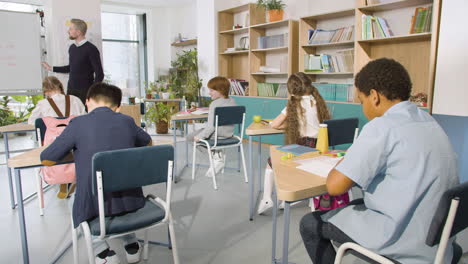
183, 118
30, 159
15, 128
291, 185
257, 130
132, 111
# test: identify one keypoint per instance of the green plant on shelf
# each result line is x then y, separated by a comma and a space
271, 4
183, 78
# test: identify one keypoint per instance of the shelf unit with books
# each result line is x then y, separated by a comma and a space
246, 64
417, 51
340, 25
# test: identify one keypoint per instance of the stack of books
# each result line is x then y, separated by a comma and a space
321, 36
272, 90
335, 91
375, 27
239, 87
275, 41
339, 61
422, 20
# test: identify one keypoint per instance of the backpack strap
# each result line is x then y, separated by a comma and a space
54, 106
67, 105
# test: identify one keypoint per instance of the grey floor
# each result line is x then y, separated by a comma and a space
211, 226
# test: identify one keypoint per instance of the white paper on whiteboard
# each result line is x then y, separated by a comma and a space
320, 166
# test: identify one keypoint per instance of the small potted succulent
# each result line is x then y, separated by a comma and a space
275, 9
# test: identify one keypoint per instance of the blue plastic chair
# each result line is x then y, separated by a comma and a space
224, 116
126, 169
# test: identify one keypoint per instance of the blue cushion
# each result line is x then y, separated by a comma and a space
223, 142
146, 216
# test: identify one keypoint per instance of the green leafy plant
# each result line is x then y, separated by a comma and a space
159, 112
271, 4
8, 117
183, 78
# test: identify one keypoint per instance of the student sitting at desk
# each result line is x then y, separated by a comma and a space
305, 110
53, 91
402, 160
101, 130
219, 92
57, 104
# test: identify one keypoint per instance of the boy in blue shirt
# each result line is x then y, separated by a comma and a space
102, 129
402, 160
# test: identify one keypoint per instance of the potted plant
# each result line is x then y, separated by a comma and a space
275, 9
160, 114
151, 87
183, 77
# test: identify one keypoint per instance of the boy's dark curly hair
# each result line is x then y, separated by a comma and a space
387, 76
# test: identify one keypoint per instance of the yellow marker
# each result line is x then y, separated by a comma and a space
284, 157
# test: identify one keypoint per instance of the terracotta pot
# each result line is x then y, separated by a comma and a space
148, 96
275, 15
162, 127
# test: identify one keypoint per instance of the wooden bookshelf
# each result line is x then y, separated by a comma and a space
185, 43
417, 52
245, 65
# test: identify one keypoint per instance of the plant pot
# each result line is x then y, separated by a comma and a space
131, 100
148, 96
162, 127
275, 15
166, 95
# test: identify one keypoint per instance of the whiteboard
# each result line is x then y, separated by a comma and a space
20, 53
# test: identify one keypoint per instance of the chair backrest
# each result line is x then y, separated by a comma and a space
131, 168
341, 131
41, 128
229, 115
441, 215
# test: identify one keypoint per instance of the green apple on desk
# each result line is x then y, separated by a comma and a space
257, 118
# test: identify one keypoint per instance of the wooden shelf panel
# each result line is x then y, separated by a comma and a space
333, 44
238, 9
271, 73
332, 15
235, 31
394, 5
341, 102
185, 43
271, 49
275, 24
409, 37
235, 52
329, 73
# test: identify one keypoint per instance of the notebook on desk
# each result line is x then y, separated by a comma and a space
296, 149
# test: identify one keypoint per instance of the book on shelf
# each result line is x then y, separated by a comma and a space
239, 87
338, 61
268, 69
274, 41
312, 63
375, 27
234, 49
322, 36
335, 91
272, 90
421, 20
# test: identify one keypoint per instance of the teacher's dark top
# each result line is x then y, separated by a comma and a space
85, 68
100, 130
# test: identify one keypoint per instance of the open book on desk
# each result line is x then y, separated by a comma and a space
321, 165
296, 149
201, 111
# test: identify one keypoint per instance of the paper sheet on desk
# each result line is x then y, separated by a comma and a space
320, 166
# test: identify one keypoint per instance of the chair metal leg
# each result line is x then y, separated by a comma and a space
246, 177
193, 160
40, 194
210, 156
145, 246
89, 243
175, 253
75, 242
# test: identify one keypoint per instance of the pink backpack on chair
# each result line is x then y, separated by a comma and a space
59, 174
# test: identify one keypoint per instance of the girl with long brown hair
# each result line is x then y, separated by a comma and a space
300, 119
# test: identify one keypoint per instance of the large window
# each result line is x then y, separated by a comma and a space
123, 48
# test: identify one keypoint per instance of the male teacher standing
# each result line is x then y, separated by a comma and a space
84, 66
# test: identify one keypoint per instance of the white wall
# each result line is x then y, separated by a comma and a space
451, 89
